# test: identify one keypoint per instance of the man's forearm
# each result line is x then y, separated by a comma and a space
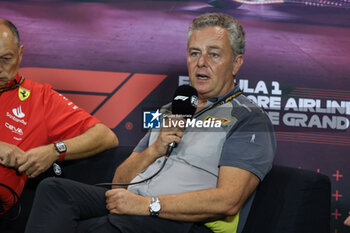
135, 164
96, 139
198, 206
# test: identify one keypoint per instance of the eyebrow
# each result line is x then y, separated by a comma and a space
214, 47
6, 54
210, 47
193, 48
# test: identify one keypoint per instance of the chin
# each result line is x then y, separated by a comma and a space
202, 92
202, 87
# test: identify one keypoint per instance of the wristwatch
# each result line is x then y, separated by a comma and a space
62, 149
155, 207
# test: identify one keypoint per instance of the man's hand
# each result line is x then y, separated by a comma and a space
347, 220
169, 134
121, 201
37, 160
9, 154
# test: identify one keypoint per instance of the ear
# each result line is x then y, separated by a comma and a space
237, 63
21, 50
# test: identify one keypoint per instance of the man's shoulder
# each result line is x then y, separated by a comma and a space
35, 87
33, 84
244, 101
243, 108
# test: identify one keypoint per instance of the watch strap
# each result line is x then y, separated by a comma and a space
62, 152
62, 156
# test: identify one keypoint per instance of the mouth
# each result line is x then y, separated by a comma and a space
202, 76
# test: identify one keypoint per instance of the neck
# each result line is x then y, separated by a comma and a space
201, 103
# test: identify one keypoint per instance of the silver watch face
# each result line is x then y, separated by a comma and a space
61, 147
57, 169
155, 207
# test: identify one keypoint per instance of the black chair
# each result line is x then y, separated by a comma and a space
291, 200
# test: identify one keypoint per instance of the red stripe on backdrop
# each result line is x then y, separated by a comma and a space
320, 93
320, 96
310, 141
127, 98
313, 138
86, 102
76, 80
321, 90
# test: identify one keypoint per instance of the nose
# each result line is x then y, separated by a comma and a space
202, 62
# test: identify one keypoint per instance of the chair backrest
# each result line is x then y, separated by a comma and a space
291, 200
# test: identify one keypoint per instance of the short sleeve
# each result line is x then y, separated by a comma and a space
251, 145
63, 118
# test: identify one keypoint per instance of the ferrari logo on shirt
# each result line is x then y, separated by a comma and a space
23, 93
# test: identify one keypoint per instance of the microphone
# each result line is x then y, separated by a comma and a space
185, 102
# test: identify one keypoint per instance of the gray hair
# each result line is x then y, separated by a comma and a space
13, 29
234, 29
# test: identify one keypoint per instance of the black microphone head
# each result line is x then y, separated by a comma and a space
185, 101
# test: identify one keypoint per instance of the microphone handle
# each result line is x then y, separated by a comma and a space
171, 146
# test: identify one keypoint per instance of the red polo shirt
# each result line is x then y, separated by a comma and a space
33, 115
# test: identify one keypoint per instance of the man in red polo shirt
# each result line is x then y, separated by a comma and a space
38, 126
